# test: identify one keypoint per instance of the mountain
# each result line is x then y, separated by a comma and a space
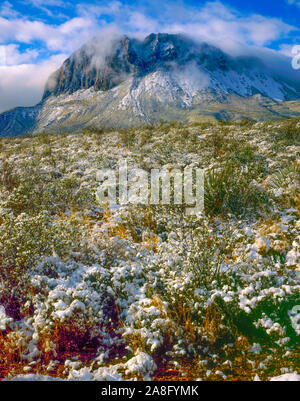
127, 82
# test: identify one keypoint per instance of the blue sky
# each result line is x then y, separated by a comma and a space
37, 35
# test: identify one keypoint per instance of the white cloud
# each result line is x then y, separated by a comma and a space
294, 2
142, 23
65, 37
10, 55
6, 10
23, 85
286, 50
213, 22
229, 29
112, 8
43, 5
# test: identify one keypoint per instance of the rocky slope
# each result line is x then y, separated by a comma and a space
165, 77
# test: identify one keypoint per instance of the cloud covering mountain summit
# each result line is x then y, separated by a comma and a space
123, 82
105, 64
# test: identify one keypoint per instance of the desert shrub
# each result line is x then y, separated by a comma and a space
246, 157
231, 190
268, 321
211, 302
286, 183
25, 240
223, 123
245, 154
52, 192
8, 176
145, 136
127, 136
46, 152
201, 125
217, 141
288, 133
98, 131
88, 281
44, 138
245, 123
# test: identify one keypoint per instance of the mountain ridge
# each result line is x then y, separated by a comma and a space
155, 52
130, 82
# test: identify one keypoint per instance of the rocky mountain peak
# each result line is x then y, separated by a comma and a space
103, 68
126, 82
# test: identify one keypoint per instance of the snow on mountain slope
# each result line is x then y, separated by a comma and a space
165, 77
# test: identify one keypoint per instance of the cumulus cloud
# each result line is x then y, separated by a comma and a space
23, 84
212, 21
10, 55
65, 37
229, 29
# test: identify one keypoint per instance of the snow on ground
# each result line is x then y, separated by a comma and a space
288, 377
129, 292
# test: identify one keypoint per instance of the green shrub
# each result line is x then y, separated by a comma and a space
231, 190
127, 136
26, 240
288, 133
8, 178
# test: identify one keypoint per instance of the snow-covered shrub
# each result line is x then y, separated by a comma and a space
136, 292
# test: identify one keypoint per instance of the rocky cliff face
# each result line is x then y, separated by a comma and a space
164, 77
127, 56
83, 70
90, 67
